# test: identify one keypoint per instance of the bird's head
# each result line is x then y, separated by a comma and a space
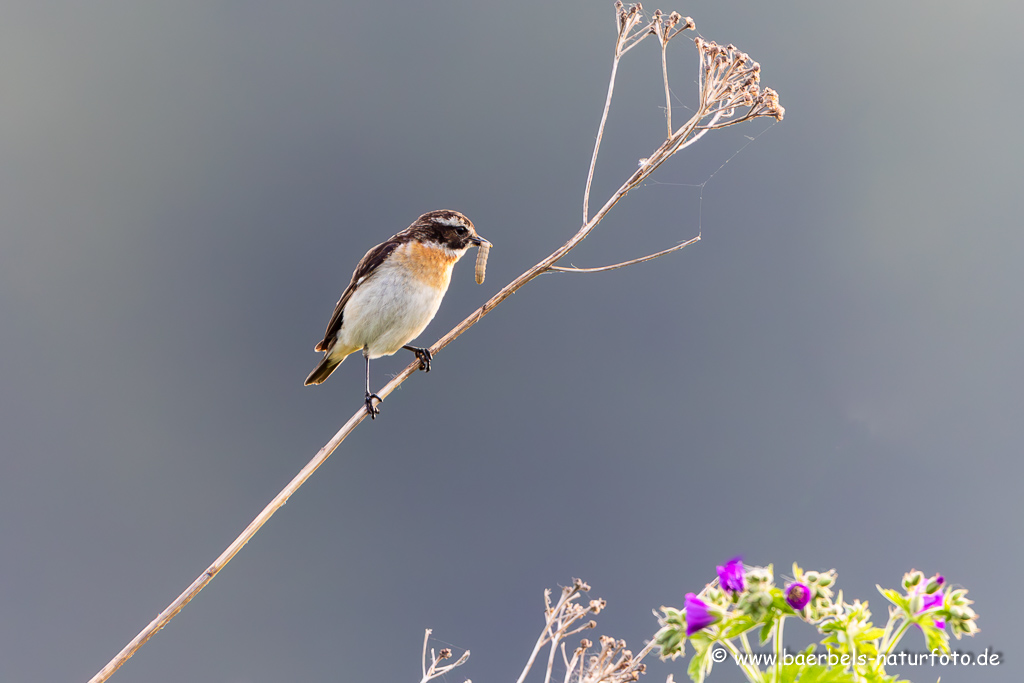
448, 228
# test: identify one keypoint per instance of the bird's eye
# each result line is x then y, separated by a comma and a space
462, 230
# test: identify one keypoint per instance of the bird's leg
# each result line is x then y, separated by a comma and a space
370, 408
423, 355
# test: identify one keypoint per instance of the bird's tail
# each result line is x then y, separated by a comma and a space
324, 369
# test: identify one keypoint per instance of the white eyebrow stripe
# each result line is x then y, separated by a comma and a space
451, 221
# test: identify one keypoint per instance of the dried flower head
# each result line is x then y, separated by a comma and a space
729, 80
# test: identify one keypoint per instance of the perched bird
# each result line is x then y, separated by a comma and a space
395, 291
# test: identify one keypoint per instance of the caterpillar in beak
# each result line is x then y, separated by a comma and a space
481, 262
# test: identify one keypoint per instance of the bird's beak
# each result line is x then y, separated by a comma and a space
480, 241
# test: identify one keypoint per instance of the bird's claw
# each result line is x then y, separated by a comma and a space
425, 357
373, 410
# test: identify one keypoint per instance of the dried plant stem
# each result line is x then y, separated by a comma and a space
552, 650
279, 500
631, 262
423, 659
668, 91
722, 92
433, 669
552, 616
597, 142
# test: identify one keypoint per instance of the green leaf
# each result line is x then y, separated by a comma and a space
895, 598
936, 638
779, 602
700, 663
789, 673
737, 625
694, 669
871, 634
818, 673
700, 641
766, 631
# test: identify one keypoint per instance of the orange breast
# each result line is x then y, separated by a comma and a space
431, 265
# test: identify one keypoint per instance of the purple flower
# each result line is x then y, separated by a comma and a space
730, 577
798, 595
930, 602
940, 623
697, 614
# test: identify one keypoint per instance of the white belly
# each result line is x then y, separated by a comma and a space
388, 311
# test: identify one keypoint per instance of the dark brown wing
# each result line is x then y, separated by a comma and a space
367, 265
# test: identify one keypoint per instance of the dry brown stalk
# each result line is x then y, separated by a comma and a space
432, 666
611, 663
728, 93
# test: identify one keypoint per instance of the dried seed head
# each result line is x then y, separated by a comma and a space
769, 103
445, 654
580, 585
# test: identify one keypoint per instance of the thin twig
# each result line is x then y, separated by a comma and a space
668, 91
597, 142
553, 613
649, 257
423, 663
551, 655
435, 671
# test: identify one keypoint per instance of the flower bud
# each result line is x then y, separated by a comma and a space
911, 579
934, 584
698, 614
797, 595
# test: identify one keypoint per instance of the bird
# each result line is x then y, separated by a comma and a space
394, 293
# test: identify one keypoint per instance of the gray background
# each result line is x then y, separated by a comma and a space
832, 376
